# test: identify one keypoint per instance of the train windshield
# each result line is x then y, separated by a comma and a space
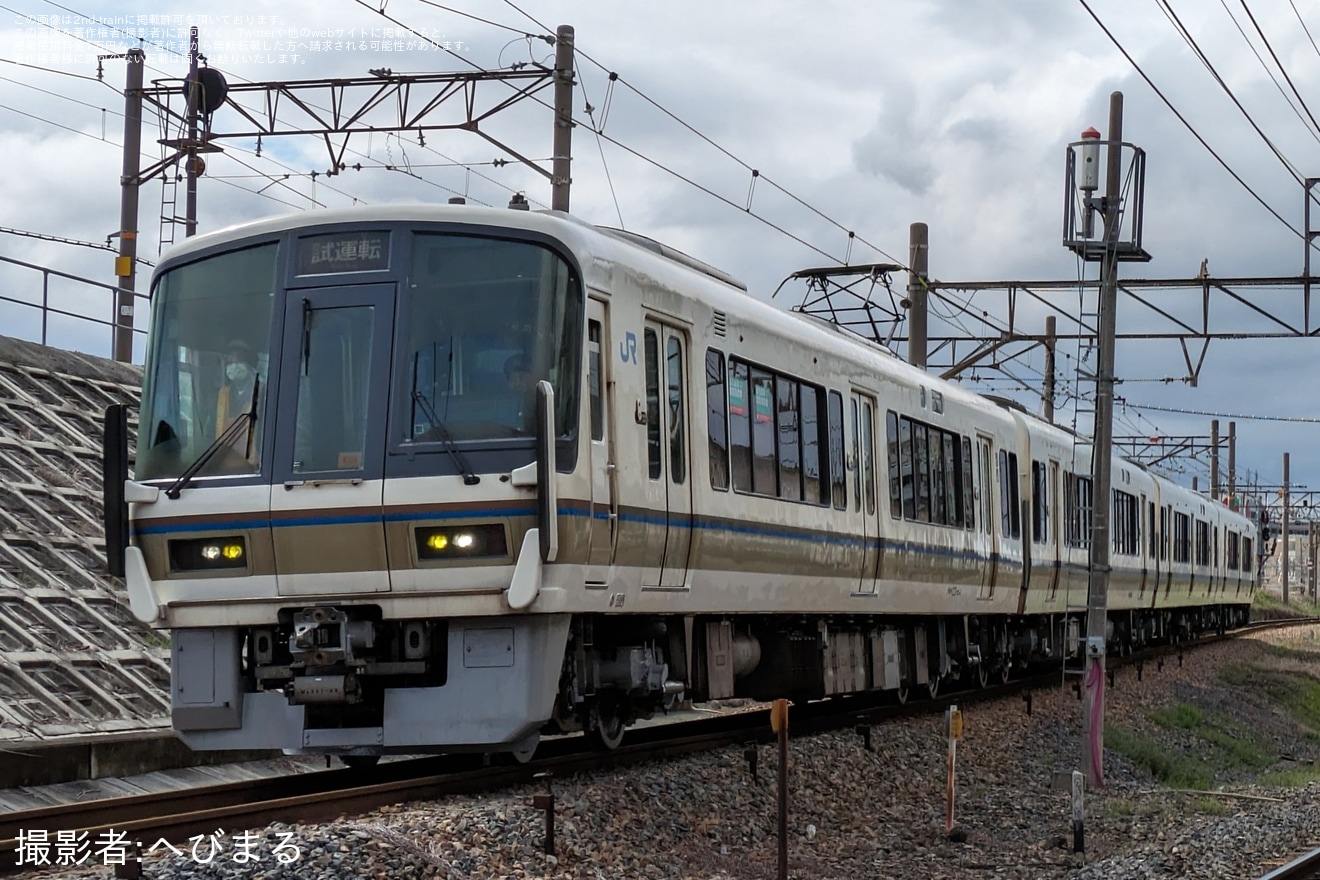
208, 363
485, 320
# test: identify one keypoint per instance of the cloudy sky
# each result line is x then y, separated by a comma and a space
860, 117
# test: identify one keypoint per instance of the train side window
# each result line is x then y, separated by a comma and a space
813, 482
1247, 559
985, 458
895, 477
969, 495
677, 408
594, 381
838, 470
906, 468
717, 420
935, 449
764, 469
868, 455
790, 451
921, 457
952, 481
1164, 533
1005, 523
1150, 530
740, 431
1014, 491
651, 348
856, 457
1039, 502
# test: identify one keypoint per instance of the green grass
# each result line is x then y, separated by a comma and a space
1180, 717
1291, 777
1169, 767
1210, 806
1299, 694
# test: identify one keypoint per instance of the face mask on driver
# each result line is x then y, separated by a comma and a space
237, 372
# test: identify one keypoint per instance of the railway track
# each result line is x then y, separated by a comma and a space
325, 795
1303, 867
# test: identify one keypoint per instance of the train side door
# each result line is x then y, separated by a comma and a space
600, 430
326, 501
665, 370
986, 508
864, 451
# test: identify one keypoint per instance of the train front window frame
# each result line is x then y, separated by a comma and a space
212, 319
475, 370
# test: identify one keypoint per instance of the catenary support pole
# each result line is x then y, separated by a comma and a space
918, 256
126, 264
1097, 595
562, 164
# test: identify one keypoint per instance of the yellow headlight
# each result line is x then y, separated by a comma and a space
437, 541
233, 551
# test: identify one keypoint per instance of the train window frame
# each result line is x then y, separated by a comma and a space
651, 384
676, 398
717, 416
868, 454
1039, 502
895, 475
935, 467
907, 468
788, 437
838, 476
595, 378
969, 490
739, 377
785, 390
765, 478
815, 489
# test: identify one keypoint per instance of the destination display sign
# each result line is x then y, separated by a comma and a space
344, 252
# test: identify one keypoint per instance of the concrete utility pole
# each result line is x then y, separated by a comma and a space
125, 264
1097, 596
1050, 342
918, 257
1283, 529
563, 140
1214, 460
1232, 465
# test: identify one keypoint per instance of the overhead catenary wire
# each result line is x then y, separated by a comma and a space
1310, 129
1186, 124
1169, 13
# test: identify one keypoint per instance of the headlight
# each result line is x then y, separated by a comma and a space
459, 542
205, 554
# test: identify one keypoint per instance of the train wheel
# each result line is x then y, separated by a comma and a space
933, 687
1005, 672
607, 726
360, 762
982, 674
901, 695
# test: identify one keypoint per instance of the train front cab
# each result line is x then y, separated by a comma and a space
336, 573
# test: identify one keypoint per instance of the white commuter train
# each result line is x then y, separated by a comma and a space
368, 531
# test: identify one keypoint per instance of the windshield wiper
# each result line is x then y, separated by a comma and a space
245, 420
470, 477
